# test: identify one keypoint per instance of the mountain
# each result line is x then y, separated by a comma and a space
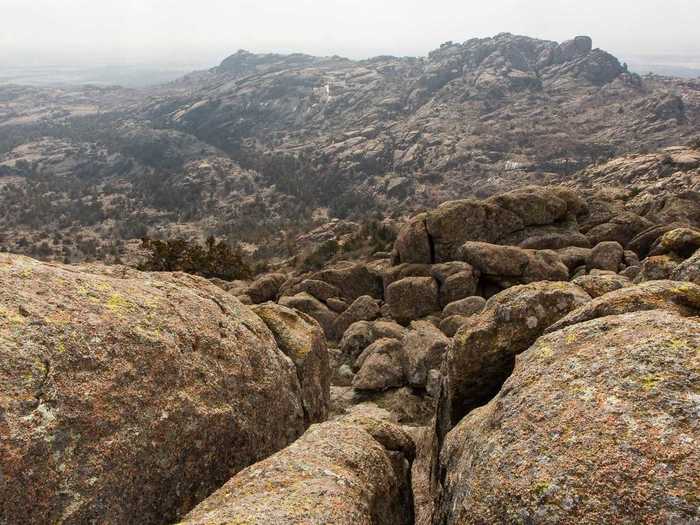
265, 147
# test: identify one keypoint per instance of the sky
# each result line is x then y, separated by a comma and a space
119, 32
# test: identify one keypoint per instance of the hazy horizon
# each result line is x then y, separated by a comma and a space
83, 33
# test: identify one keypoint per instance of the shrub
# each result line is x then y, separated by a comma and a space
214, 259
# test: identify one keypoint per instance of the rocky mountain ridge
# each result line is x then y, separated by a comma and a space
273, 146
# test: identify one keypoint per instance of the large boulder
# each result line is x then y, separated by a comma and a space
363, 333
597, 424
265, 288
607, 255
437, 236
347, 472
509, 265
308, 304
301, 338
412, 298
424, 346
353, 280
364, 308
483, 351
680, 298
128, 397
688, 270
597, 285
381, 366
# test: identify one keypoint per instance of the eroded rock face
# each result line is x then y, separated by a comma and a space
483, 351
597, 424
128, 397
352, 471
301, 338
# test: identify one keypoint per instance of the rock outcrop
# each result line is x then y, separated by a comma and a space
129, 397
347, 472
482, 354
597, 424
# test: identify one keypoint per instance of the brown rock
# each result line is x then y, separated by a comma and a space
412, 298
353, 280
314, 308
355, 470
680, 298
424, 347
688, 270
381, 365
574, 435
319, 289
465, 307
606, 256
508, 265
456, 280
265, 288
597, 285
128, 397
301, 338
657, 268
483, 350
365, 308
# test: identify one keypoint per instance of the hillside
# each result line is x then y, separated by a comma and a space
264, 148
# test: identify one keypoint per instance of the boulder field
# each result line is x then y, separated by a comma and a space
528, 358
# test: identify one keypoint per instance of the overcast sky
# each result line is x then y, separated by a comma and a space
81, 32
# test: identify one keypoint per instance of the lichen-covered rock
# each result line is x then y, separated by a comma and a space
606, 256
509, 265
412, 298
308, 304
597, 424
456, 280
597, 285
301, 338
364, 308
658, 268
265, 288
450, 325
688, 270
466, 307
127, 397
321, 290
436, 236
483, 351
678, 297
347, 472
363, 333
381, 365
681, 241
353, 280
424, 347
